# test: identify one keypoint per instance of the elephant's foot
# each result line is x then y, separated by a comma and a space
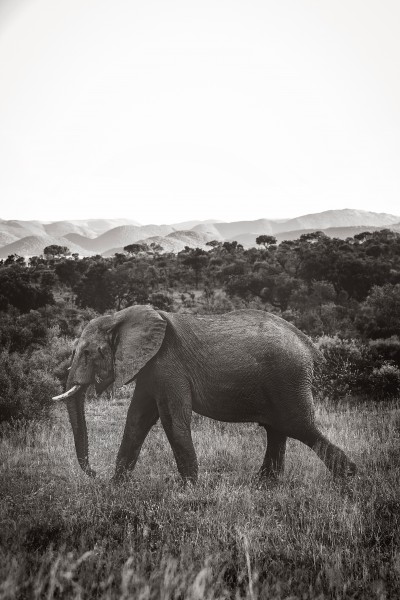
90, 473
86, 468
188, 468
120, 477
335, 459
189, 476
122, 471
262, 481
188, 482
273, 466
268, 476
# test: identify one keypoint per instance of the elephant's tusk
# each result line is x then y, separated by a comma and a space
71, 392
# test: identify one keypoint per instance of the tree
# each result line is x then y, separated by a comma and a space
156, 248
313, 236
214, 244
361, 237
68, 272
196, 259
232, 247
14, 259
134, 249
268, 241
380, 313
55, 251
17, 289
92, 290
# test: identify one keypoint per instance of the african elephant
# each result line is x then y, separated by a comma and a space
243, 366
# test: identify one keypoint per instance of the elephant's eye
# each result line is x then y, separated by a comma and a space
86, 354
101, 353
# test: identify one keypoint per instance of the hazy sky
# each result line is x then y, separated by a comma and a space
161, 111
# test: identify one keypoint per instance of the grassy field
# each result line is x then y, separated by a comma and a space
63, 535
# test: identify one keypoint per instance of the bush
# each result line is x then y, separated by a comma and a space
385, 382
353, 368
379, 315
28, 381
161, 301
388, 350
25, 393
346, 370
19, 332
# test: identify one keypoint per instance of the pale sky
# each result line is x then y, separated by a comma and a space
164, 110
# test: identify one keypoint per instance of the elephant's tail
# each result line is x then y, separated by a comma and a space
318, 357
316, 354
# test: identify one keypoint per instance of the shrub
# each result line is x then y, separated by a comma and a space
346, 370
19, 332
28, 381
385, 382
353, 368
379, 315
386, 349
161, 301
25, 393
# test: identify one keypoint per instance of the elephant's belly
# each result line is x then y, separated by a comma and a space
232, 403
236, 386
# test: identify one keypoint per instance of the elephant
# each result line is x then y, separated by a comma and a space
242, 366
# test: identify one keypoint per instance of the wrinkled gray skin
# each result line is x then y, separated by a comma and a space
244, 366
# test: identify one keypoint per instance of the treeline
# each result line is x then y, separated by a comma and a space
323, 285
342, 290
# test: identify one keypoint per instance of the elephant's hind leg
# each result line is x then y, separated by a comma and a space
274, 459
333, 457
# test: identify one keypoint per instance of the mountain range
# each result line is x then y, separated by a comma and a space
108, 236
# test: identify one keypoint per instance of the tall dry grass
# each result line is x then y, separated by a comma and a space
66, 536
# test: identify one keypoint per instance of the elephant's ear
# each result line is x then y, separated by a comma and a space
138, 333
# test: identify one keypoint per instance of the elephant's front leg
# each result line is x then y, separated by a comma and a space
175, 409
142, 415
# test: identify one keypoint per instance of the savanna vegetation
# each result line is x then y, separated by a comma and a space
64, 536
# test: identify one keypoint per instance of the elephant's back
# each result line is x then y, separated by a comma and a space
248, 332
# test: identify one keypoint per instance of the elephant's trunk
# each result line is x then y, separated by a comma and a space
76, 412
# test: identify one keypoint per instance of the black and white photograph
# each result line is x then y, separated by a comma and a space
199, 300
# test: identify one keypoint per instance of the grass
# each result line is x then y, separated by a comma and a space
63, 535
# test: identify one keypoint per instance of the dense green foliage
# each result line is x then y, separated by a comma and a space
344, 293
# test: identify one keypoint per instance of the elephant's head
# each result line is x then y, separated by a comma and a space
111, 349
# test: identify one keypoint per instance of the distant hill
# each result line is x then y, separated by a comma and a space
248, 240
173, 242
185, 225
61, 228
334, 232
121, 236
107, 236
337, 218
191, 238
34, 245
209, 230
230, 230
7, 238
22, 229
90, 227
331, 218
98, 226
82, 241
